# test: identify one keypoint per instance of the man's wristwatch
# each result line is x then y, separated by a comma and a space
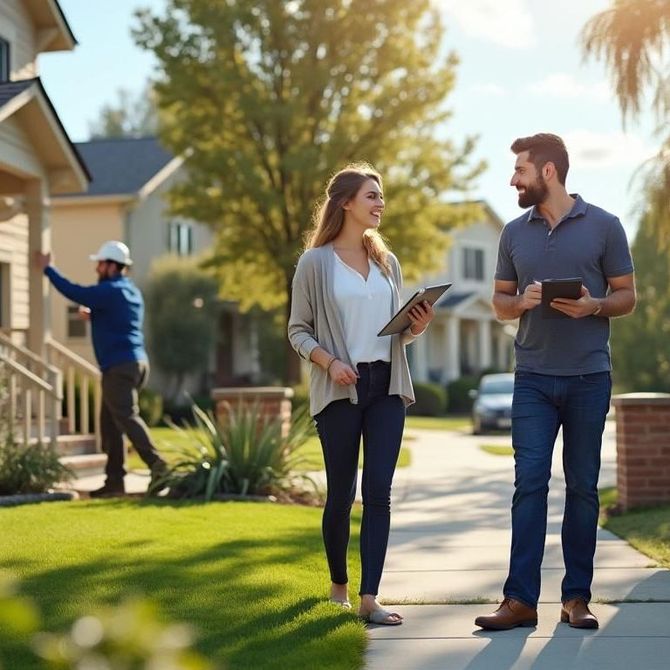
598, 309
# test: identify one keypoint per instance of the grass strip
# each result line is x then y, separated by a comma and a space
647, 529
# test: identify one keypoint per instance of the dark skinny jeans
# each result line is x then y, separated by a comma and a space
379, 419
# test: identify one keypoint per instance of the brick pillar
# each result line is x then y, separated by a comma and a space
643, 448
272, 401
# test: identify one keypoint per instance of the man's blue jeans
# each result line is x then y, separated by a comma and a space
542, 404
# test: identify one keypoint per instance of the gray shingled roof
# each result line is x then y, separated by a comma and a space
453, 299
10, 89
122, 166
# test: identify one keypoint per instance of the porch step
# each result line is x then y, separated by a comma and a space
74, 445
85, 465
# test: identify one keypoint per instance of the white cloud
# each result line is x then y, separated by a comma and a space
508, 24
565, 85
590, 150
489, 89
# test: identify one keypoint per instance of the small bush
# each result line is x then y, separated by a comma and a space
431, 400
248, 455
151, 407
458, 390
34, 468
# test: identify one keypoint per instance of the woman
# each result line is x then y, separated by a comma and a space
345, 289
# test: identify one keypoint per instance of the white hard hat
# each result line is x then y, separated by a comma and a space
113, 251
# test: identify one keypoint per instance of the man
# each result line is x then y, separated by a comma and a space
562, 376
116, 314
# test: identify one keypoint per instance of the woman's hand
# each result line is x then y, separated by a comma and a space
341, 373
420, 316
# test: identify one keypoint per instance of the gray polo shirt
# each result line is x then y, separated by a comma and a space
589, 243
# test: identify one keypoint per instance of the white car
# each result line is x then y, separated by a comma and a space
492, 407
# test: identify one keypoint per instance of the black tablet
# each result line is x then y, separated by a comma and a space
559, 288
400, 320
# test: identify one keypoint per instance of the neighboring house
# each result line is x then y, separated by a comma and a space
465, 337
126, 200
37, 163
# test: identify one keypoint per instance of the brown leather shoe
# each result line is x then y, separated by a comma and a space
577, 613
510, 614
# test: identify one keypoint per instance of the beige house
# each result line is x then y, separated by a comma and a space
126, 200
465, 337
37, 163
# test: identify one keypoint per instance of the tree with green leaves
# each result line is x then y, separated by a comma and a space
267, 99
181, 300
632, 37
129, 116
640, 341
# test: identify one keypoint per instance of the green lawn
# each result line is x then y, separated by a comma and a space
439, 422
165, 438
251, 577
497, 449
648, 530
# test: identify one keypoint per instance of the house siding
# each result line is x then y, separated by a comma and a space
14, 251
146, 230
77, 232
17, 28
17, 149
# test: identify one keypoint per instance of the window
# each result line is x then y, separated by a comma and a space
76, 326
473, 264
180, 238
4, 60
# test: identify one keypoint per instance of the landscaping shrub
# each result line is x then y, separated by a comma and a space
431, 400
458, 390
246, 455
151, 406
32, 468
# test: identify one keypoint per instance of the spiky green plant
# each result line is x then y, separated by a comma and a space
244, 454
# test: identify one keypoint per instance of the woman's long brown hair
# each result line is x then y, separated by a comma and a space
329, 215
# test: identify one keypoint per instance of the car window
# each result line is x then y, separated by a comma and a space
497, 387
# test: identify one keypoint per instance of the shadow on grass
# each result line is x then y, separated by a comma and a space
255, 602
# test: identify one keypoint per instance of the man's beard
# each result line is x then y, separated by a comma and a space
536, 193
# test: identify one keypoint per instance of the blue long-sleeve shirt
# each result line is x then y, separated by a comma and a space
117, 314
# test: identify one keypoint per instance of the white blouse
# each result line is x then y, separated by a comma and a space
365, 307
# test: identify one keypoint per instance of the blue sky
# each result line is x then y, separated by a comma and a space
521, 72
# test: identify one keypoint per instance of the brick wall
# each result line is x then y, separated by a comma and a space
272, 401
643, 448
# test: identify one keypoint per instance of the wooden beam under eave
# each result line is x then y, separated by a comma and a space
10, 184
44, 37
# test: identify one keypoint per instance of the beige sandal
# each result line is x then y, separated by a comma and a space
382, 617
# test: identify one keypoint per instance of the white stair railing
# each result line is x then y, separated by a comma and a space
78, 371
25, 385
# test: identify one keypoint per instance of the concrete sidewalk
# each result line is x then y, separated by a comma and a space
450, 536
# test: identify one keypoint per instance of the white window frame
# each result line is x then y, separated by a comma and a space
477, 251
5, 59
72, 318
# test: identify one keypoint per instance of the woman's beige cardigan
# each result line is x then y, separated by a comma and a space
315, 322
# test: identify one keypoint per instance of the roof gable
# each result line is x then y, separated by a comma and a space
28, 102
51, 27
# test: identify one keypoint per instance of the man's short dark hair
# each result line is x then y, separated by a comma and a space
119, 266
544, 148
